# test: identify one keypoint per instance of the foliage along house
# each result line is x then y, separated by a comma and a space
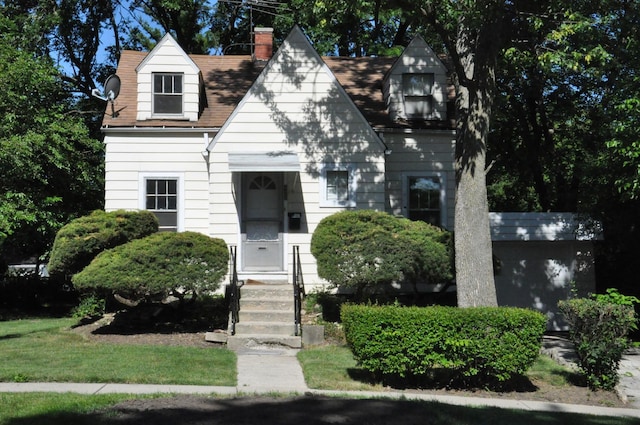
258, 149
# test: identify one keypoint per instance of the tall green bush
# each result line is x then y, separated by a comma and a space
363, 248
598, 328
79, 241
479, 346
149, 269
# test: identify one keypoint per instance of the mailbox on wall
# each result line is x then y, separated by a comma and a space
294, 220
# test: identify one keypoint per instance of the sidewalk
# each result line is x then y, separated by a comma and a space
268, 371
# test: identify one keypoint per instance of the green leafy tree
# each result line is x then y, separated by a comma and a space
183, 265
50, 168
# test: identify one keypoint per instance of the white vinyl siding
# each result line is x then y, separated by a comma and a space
436, 160
133, 157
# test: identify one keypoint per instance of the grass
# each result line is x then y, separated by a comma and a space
53, 409
45, 350
331, 367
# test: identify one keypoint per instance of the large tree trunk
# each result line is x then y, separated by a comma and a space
475, 94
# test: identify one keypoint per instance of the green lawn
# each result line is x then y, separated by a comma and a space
44, 350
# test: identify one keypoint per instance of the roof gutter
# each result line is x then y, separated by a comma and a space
134, 129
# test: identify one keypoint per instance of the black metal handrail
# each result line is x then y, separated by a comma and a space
234, 292
298, 289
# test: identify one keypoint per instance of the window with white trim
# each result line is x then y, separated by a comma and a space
418, 95
424, 198
167, 94
337, 186
161, 198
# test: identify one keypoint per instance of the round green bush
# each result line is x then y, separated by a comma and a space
366, 248
78, 242
157, 266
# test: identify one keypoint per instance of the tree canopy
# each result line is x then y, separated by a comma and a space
50, 167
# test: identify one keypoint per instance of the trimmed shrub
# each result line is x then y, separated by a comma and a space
477, 345
78, 242
598, 328
363, 248
150, 269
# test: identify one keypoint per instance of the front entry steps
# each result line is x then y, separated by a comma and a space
266, 317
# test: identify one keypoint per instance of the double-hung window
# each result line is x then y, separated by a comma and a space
161, 198
337, 186
167, 94
424, 198
418, 95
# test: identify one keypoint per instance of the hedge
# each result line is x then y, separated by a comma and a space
79, 241
152, 268
485, 344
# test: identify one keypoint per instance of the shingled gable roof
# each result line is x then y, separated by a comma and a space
228, 78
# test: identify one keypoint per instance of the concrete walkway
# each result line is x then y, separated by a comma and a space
272, 370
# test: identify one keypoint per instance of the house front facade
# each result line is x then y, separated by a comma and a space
256, 150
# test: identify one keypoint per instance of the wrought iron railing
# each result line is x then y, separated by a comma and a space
234, 292
298, 289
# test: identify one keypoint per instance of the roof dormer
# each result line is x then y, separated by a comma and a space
415, 88
169, 84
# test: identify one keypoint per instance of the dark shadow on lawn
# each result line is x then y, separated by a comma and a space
310, 410
442, 379
200, 316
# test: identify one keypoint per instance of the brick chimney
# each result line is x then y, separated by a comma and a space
263, 44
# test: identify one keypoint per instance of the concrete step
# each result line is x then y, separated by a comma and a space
266, 304
249, 341
266, 328
266, 291
266, 316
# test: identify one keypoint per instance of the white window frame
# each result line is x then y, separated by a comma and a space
443, 193
352, 187
154, 93
142, 192
418, 94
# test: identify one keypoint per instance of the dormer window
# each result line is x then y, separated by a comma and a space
418, 95
167, 94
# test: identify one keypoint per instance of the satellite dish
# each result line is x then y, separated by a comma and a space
111, 90
112, 87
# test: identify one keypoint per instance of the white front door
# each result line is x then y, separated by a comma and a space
262, 222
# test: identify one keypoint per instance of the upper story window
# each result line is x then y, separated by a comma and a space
167, 94
418, 95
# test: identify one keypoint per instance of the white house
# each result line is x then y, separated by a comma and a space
256, 150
